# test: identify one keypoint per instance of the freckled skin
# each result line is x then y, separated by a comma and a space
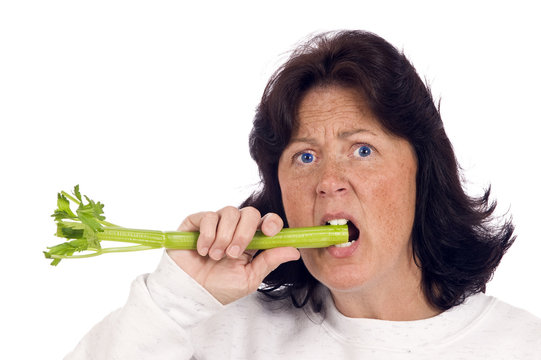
378, 192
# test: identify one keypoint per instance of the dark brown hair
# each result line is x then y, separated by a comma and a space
456, 242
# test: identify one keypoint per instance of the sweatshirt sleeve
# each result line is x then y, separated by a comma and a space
155, 322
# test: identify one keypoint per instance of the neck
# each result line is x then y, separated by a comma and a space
398, 298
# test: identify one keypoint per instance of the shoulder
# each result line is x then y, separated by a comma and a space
510, 326
514, 317
486, 327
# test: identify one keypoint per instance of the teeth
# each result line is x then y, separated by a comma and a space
337, 222
345, 244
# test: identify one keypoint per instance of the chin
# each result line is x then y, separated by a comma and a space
343, 281
344, 286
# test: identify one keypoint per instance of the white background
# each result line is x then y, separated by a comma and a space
148, 105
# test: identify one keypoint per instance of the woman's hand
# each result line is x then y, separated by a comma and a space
221, 264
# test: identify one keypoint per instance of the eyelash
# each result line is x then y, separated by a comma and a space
368, 147
297, 158
310, 155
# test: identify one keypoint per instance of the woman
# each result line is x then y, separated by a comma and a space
345, 132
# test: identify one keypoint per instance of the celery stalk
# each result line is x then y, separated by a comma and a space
86, 228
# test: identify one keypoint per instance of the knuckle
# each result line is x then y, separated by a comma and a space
274, 217
242, 239
230, 211
207, 228
221, 240
251, 211
209, 216
205, 237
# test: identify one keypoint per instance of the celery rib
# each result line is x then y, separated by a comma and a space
110, 250
86, 228
313, 237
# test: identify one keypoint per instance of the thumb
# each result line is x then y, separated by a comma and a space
270, 259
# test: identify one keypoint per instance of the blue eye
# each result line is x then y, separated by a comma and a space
306, 158
364, 151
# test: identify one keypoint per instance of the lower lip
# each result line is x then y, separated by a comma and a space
343, 252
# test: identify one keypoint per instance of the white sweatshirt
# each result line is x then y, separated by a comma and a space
170, 316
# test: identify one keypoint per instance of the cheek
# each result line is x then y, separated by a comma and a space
296, 194
390, 205
396, 198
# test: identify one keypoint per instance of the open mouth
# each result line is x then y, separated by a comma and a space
353, 231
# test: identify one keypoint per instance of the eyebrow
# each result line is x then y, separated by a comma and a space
341, 135
346, 134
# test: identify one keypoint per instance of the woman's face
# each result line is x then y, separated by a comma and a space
341, 164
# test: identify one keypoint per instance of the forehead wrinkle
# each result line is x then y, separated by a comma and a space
314, 120
321, 100
320, 107
322, 115
304, 140
341, 135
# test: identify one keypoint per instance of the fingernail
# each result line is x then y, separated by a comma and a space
216, 254
204, 251
233, 251
274, 227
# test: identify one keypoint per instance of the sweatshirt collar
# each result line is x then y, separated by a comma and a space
405, 336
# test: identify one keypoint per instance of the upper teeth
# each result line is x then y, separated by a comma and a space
337, 222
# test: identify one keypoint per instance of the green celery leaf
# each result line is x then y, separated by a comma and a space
81, 227
77, 193
67, 248
61, 215
87, 218
63, 211
97, 208
91, 239
90, 214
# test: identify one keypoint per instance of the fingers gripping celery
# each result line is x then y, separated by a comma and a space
86, 229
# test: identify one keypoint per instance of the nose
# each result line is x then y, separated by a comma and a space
332, 180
